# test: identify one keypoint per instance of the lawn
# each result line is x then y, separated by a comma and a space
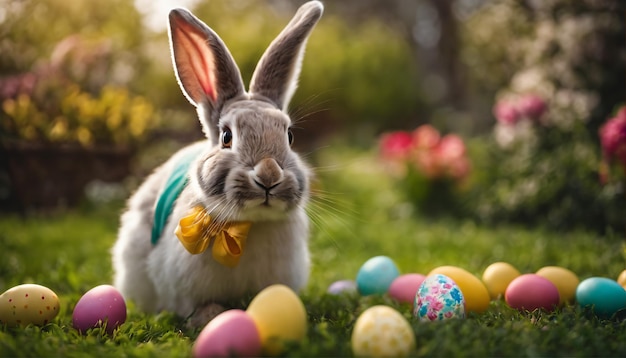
357, 214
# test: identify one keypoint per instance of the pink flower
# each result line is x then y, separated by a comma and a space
431, 155
436, 306
506, 112
451, 157
396, 145
613, 137
425, 137
451, 148
531, 106
12, 86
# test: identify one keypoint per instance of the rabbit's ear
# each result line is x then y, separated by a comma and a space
204, 67
276, 75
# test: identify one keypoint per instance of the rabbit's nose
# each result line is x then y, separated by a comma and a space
267, 173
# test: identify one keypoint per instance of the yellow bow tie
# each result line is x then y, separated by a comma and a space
196, 231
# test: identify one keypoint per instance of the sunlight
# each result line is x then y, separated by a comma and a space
155, 11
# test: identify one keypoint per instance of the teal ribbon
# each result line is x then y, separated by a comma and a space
171, 191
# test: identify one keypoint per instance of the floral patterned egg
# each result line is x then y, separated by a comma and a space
438, 298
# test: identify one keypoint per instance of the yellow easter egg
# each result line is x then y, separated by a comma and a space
497, 277
28, 303
280, 317
565, 281
476, 295
621, 279
381, 331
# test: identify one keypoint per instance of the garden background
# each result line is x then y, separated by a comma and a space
459, 132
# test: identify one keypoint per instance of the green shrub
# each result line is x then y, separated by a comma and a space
557, 184
361, 76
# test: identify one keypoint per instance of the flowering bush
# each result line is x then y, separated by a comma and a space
569, 52
68, 100
538, 173
430, 168
113, 117
66, 121
557, 81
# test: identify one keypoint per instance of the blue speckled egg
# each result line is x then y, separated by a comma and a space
438, 298
376, 275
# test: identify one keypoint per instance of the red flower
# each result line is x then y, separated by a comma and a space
613, 137
433, 156
396, 145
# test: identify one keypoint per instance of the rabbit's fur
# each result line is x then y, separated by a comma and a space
258, 178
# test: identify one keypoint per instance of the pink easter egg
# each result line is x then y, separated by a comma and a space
404, 287
101, 304
530, 291
232, 333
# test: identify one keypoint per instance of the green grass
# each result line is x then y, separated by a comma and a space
357, 215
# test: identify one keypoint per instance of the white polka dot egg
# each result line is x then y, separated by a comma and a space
28, 304
381, 331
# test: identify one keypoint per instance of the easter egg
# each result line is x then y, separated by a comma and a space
376, 275
280, 317
102, 305
603, 295
565, 281
231, 333
342, 286
621, 279
381, 331
497, 277
438, 298
404, 287
28, 304
474, 291
530, 291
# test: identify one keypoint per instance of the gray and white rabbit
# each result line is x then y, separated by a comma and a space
245, 171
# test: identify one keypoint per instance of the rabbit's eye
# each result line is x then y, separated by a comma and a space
290, 136
227, 138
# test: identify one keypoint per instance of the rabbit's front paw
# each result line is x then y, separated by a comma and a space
204, 315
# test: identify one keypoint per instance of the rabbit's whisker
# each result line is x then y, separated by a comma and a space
325, 207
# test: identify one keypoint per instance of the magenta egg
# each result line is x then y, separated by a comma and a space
232, 333
102, 304
404, 287
530, 291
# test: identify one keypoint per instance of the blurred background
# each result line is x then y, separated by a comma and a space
90, 105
